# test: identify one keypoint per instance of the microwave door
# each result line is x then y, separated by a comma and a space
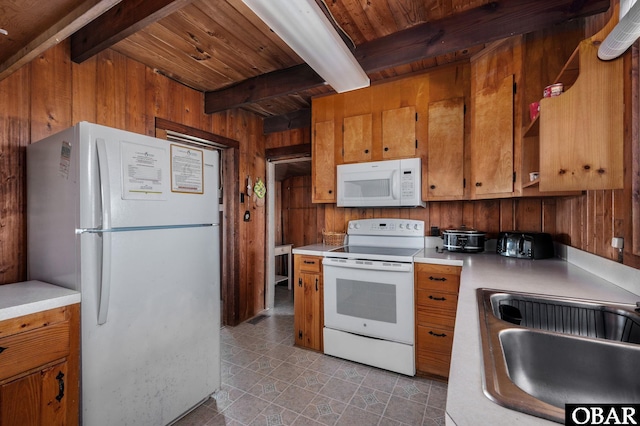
369, 189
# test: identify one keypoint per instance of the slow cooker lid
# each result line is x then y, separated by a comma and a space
463, 230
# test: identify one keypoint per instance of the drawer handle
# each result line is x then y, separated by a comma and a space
2, 349
60, 386
437, 298
437, 334
437, 278
309, 262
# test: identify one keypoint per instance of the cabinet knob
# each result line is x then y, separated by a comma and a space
331, 191
386, 148
478, 183
366, 151
432, 187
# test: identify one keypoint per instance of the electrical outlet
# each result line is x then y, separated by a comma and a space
617, 242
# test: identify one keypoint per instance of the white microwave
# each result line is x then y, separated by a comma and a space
391, 183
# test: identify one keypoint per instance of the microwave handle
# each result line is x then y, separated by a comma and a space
395, 185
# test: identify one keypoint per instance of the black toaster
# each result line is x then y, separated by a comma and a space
525, 245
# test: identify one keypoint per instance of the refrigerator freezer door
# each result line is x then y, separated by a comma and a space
146, 181
157, 355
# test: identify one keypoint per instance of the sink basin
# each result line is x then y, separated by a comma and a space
541, 352
568, 316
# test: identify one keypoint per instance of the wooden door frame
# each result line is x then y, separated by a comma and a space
230, 255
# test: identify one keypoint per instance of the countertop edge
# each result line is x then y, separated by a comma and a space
29, 297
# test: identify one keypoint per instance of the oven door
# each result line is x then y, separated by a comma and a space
370, 298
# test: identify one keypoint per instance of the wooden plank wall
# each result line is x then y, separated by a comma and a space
587, 222
302, 221
52, 93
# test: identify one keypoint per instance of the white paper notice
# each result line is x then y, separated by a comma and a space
143, 177
187, 173
65, 159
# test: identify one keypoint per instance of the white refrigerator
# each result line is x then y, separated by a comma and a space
132, 223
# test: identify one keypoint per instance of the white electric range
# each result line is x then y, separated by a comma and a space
369, 295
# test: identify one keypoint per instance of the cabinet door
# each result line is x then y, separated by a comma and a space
399, 133
324, 169
445, 162
492, 141
313, 311
20, 401
307, 302
36, 399
357, 138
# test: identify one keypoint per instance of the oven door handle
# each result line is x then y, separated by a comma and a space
374, 265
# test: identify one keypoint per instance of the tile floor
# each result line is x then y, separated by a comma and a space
268, 381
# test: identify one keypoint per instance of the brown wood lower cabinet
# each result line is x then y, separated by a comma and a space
436, 288
39, 368
308, 301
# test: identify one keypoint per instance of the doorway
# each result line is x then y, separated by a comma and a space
291, 217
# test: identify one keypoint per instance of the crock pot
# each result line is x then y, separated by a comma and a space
464, 239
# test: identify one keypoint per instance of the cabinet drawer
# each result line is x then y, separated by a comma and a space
436, 300
433, 363
438, 318
434, 339
310, 263
24, 351
434, 280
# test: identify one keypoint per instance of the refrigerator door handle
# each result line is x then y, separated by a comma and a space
105, 198
105, 190
105, 281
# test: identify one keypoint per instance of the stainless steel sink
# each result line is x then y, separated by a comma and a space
541, 352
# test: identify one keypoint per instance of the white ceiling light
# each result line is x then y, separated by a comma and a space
624, 34
306, 29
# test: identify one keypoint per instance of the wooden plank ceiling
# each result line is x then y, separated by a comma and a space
221, 48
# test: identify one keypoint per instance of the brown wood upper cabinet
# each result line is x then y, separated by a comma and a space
391, 121
493, 76
445, 160
326, 147
357, 136
399, 133
581, 132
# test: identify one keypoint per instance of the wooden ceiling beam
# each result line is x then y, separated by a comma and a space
484, 24
481, 25
262, 87
78, 18
119, 22
293, 120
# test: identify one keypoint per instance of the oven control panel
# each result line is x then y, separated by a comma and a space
389, 227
